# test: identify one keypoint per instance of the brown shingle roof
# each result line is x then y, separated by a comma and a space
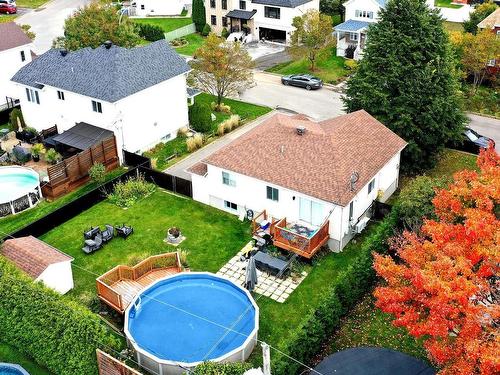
492, 21
32, 255
318, 163
199, 169
12, 36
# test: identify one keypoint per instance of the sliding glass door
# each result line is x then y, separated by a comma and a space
310, 211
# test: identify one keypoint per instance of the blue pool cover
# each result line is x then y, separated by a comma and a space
182, 318
12, 369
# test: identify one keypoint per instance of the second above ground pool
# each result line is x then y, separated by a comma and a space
190, 318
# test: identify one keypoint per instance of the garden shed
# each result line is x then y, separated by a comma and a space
41, 262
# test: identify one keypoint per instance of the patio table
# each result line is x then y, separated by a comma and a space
269, 263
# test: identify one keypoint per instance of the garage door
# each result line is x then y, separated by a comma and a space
273, 35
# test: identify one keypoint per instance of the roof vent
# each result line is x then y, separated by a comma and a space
301, 130
64, 52
108, 44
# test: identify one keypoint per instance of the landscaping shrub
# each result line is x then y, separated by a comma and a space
212, 368
221, 129
224, 33
126, 193
179, 42
220, 108
13, 116
97, 173
194, 143
54, 331
305, 341
200, 117
198, 140
149, 32
52, 156
37, 150
198, 14
206, 30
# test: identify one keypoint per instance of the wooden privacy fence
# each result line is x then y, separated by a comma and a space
180, 32
72, 172
109, 365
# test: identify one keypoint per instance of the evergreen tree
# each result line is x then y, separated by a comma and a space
198, 15
406, 80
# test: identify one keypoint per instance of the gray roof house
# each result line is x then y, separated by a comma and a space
139, 94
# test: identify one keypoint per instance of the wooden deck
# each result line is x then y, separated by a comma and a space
118, 287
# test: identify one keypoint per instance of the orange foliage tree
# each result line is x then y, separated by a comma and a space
444, 285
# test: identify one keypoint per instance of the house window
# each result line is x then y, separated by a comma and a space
492, 62
353, 36
212, 3
351, 211
227, 180
224, 4
271, 12
364, 14
60, 95
243, 4
310, 211
230, 205
32, 96
213, 20
371, 186
224, 21
23, 56
96, 106
272, 194
142, 7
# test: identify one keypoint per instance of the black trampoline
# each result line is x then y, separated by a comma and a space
372, 361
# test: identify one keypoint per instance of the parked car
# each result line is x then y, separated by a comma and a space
472, 141
8, 7
306, 81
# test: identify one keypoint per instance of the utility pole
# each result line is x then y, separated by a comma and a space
266, 359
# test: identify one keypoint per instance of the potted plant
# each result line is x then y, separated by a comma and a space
52, 156
174, 235
36, 151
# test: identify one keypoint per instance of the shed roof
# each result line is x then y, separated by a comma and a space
32, 255
82, 136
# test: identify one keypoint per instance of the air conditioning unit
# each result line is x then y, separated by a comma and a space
361, 224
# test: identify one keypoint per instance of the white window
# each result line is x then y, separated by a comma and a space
310, 211
231, 206
492, 62
227, 180
371, 186
32, 96
363, 14
353, 36
272, 194
96, 106
60, 95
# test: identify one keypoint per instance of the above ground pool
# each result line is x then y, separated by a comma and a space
11, 369
20, 189
189, 318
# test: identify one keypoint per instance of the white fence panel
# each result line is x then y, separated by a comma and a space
178, 33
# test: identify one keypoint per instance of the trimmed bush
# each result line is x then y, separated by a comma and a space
221, 129
220, 108
198, 15
198, 140
224, 33
148, 32
53, 330
200, 117
206, 30
97, 173
13, 116
126, 193
305, 341
212, 368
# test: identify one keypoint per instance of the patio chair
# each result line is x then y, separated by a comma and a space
91, 233
124, 231
108, 233
92, 245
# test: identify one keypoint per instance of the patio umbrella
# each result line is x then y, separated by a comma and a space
251, 274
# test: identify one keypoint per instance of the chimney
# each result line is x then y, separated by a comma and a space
301, 130
64, 52
108, 44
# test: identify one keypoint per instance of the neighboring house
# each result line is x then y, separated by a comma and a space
351, 34
315, 174
139, 94
492, 22
257, 19
15, 52
145, 8
41, 262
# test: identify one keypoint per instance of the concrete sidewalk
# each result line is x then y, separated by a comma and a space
179, 169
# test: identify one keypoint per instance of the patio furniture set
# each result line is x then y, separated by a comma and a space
95, 238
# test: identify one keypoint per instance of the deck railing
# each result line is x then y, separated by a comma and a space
105, 282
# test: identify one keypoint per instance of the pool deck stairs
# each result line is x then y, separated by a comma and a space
118, 287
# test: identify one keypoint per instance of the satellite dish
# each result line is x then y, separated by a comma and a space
250, 214
354, 178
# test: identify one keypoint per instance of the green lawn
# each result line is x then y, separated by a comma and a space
446, 4
30, 3
162, 152
330, 69
453, 26
368, 326
4, 18
14, 222
9, 354
167, 24
194, 42
212, 236
452, 161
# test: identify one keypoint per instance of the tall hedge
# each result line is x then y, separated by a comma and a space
148, 32
305, 340
213, 368
56, 332
198, 15
200, 117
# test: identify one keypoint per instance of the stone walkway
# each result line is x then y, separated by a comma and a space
267, 285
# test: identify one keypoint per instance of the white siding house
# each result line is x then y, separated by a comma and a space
15, 52
143, 8
41, 262
305, 178
139, 94
351, 34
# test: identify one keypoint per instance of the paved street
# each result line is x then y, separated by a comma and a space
486, 126
48, 21
319, 104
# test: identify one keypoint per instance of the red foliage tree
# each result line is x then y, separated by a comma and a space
444, 286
